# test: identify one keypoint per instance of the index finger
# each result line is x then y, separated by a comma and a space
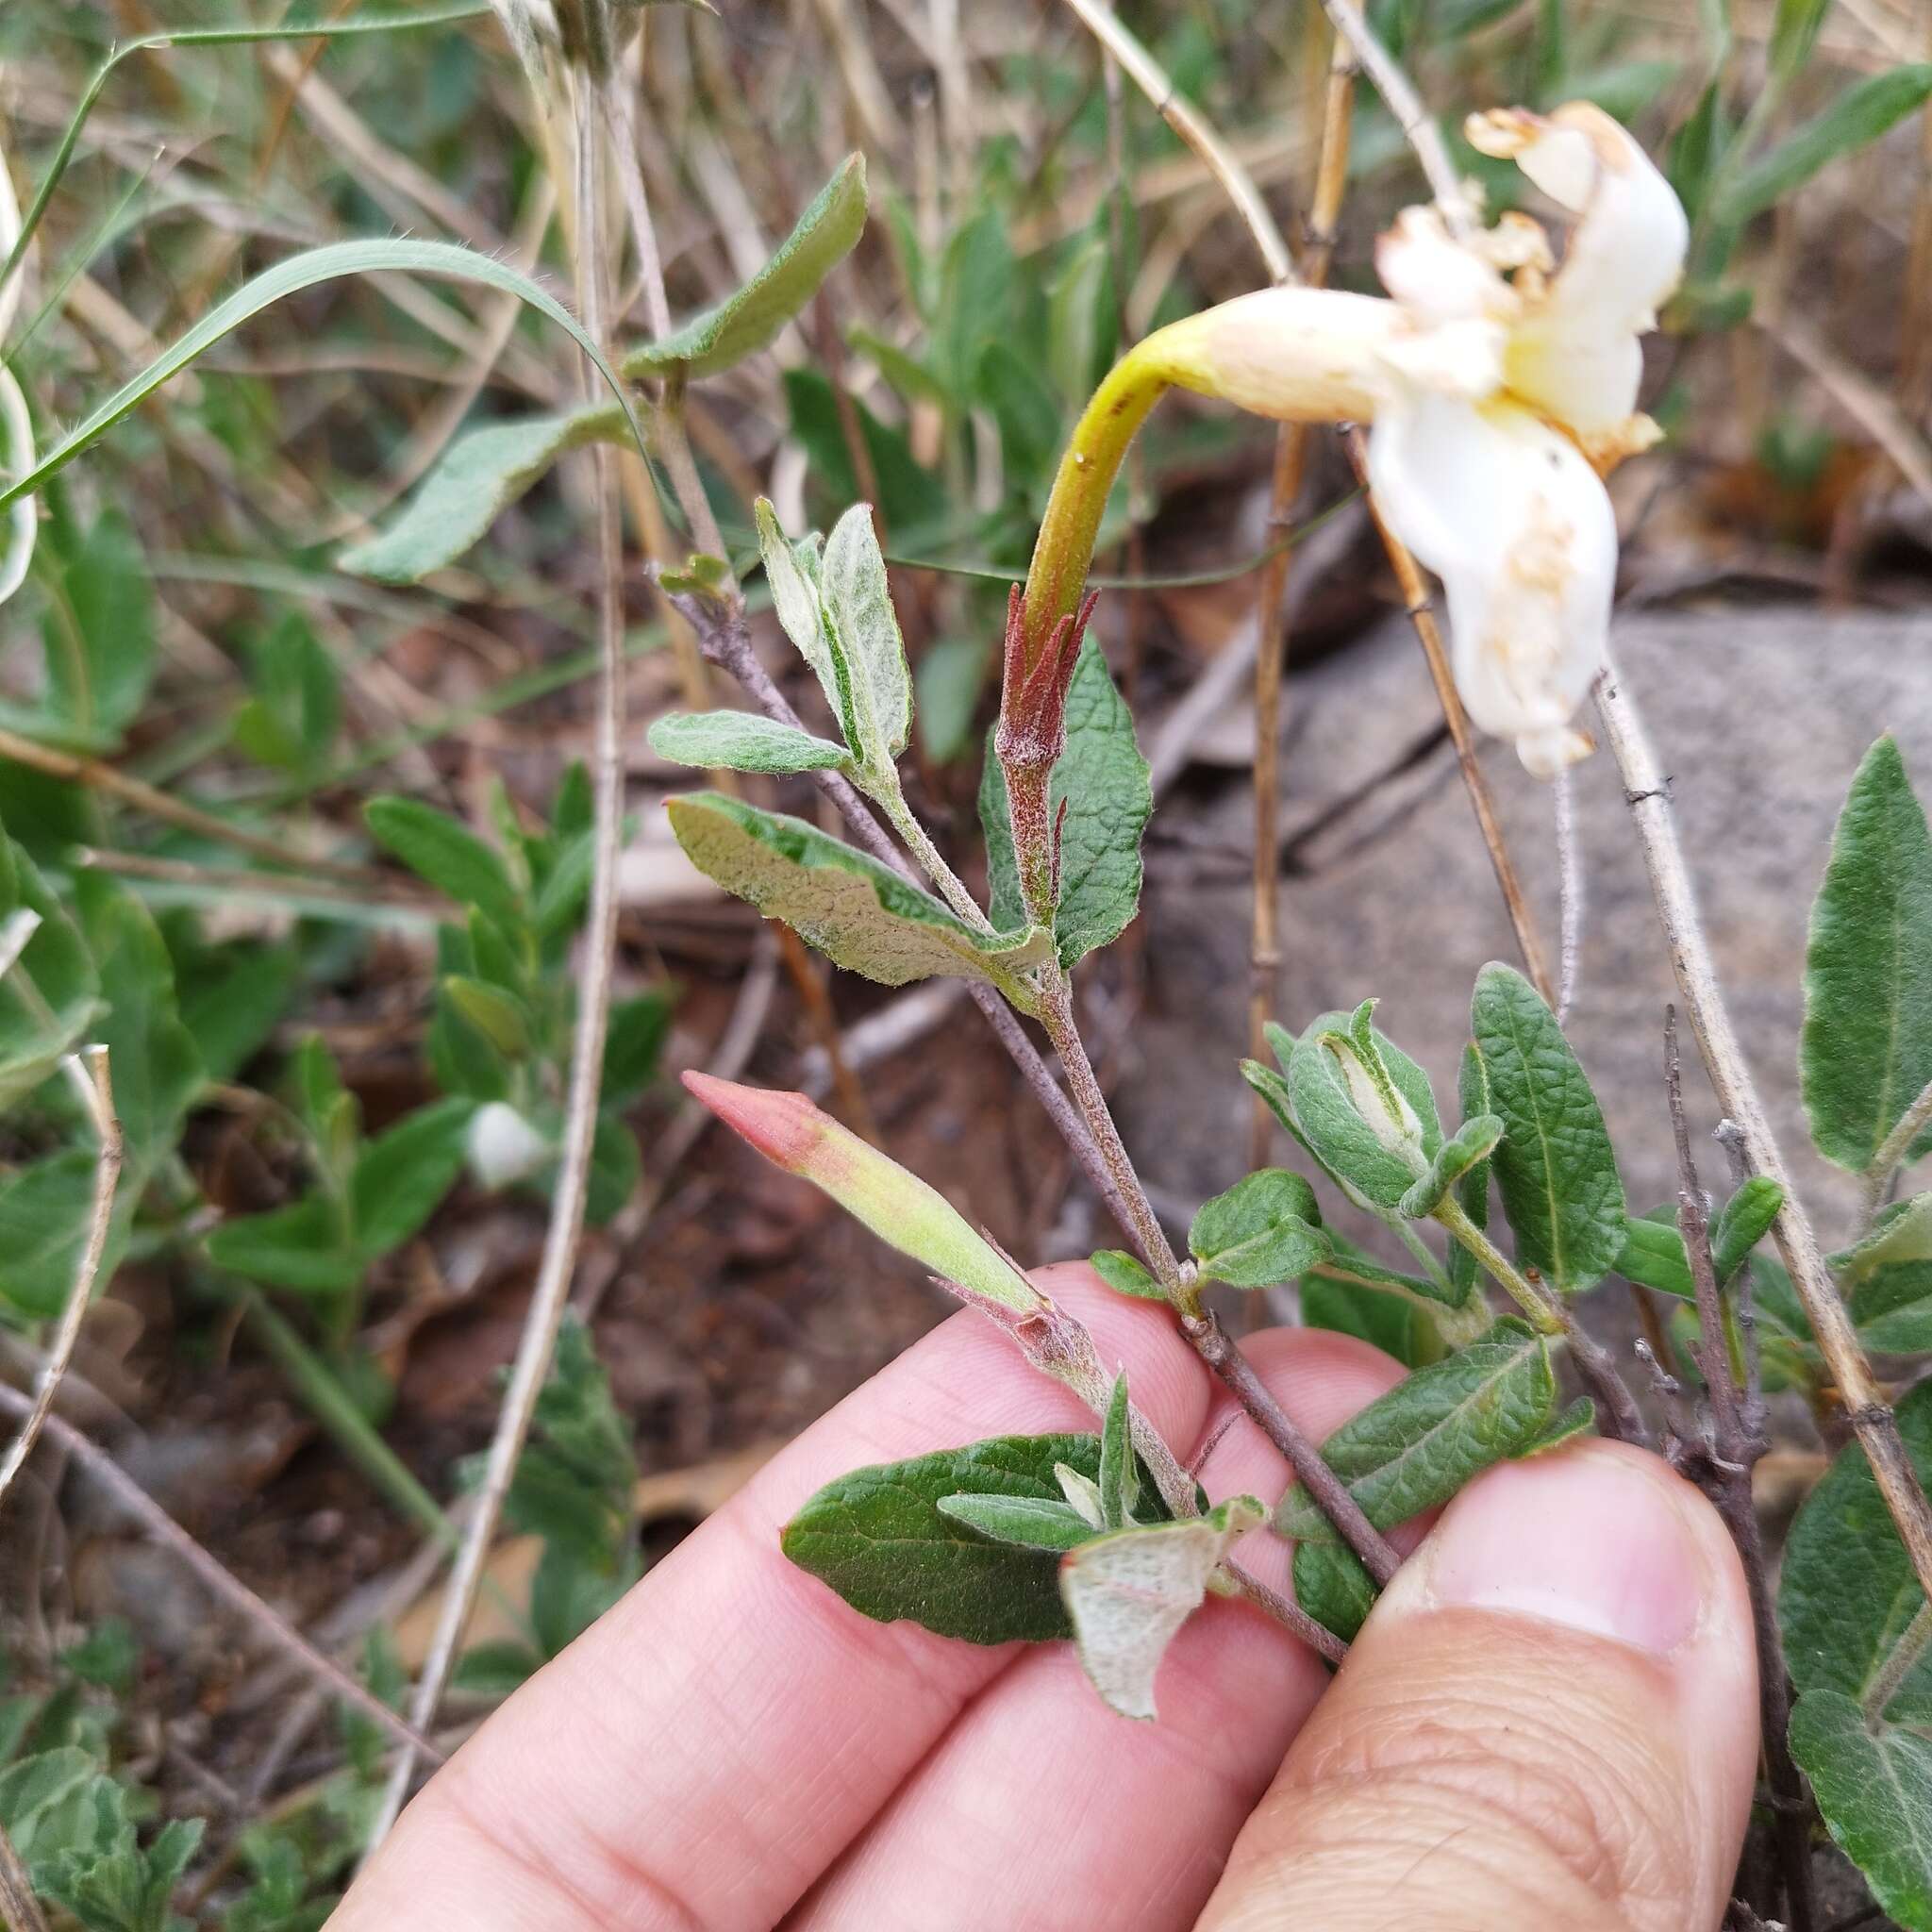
703, 1753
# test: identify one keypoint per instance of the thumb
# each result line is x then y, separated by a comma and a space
1549, 1720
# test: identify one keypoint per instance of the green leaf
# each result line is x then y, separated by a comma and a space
100, 635
1101, 797
1866, 1050
857, 605
617, 1165
1859, 116
1460, 1154
155, 1070
449, 856
1653, 1252
743, 741
231, 997
292, 722
1793, 34
1026, 410
1319, 1106
975, 300
1473, 1190
791, 572
948, 681
748, 319
301, 1247
1888, 1278
1264, 1229
1874, 1790
35, 1032
1846, 1595
1125, 1275
45, 1210
1577, 1420
1104, 784
1127, 1594
859, 913
501, 1017
1028, 1522
911, 497
402, 1174
1414, 1447
1389, 1322
1119, 1472
634, 1044
880, 1540
1554, 1166
481, 474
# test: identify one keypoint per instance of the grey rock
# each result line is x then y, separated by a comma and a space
1759, 717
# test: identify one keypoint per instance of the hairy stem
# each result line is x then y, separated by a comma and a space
1548, 1313
1904, 1657
1897, 1144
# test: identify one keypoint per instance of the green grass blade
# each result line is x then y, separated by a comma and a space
332, 263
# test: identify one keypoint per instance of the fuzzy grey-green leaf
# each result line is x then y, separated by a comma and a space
1464, 1151
743, 741
1866, 1049
1554, 1166
1887, 1277
1324, 1114
751, 316
1128, 1592
1031, 1522
856, 603
1846, 1596
1418, 1444
860, 914
1264, 1229
1125, 1275
481, 474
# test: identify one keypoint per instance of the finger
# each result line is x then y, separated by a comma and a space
1048, 1810
1549, 1719
700, 1754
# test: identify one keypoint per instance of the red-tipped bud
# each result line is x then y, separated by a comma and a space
1033, 695
789, 1130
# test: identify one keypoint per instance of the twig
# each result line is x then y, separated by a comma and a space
1897, 1144
1403, 102
1866, 1410
220, 1583
1738, 1440
1271, 613
156, 804
1218, 1350
1570, 873
1914, 1641
548, 1298
24, 1913
1318, 1637
89, 1077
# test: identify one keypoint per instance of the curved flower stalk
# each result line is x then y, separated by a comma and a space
1500, 386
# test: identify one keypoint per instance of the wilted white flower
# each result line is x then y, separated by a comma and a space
503, 1146
1500, 387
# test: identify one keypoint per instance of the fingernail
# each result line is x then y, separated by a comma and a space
1593, 1538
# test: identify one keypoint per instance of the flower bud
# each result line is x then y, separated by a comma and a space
790, 1132
503, 1146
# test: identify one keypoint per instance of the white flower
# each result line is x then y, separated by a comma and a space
1500, 387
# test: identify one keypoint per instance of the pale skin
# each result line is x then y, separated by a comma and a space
1549, 1720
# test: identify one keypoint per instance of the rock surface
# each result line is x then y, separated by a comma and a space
1759, 717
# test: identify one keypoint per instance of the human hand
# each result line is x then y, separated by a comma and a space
1549, 1721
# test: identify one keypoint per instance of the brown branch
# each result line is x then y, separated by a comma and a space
1737, 1443
24, 1913
219, 1582
1866, 1410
